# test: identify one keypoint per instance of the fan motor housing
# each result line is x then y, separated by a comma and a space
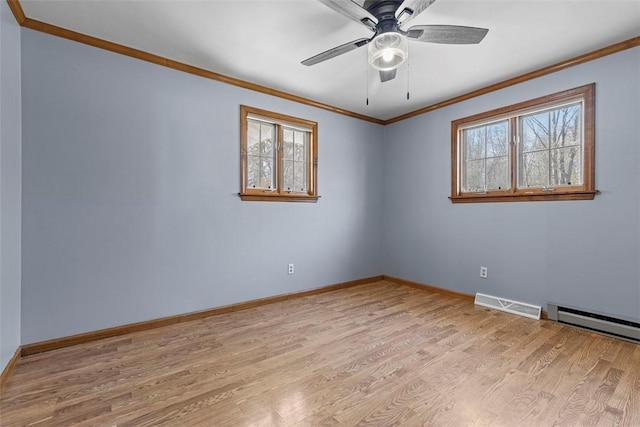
385, 9
385, 12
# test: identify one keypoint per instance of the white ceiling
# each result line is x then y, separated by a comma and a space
263, 42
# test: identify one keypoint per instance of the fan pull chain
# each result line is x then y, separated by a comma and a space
367, 83
408, 63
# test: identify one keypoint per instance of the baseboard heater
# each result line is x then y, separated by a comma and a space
618, 327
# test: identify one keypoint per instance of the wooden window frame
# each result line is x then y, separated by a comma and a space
586, 191
278, 194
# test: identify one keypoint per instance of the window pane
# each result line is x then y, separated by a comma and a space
300, 146
565, 166
474, 143
534, 169
296, 155
565, 126
486, 150
300, 176
535, 132
253, 172
260, 155
549, 132
497, 173
287, 175
287, 150
497, 139
474, 175
287, 136
267, 174
253, 138
267, 137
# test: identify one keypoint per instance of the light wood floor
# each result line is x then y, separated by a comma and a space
377, 355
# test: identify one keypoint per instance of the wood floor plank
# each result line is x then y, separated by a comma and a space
379, 354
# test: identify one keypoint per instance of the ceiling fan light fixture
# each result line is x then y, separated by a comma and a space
388, 51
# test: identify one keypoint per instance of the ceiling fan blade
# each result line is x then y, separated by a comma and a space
447, 34
385, 76
353, 11
413, 8
332, 53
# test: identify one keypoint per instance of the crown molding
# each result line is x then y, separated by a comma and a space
36, 25
18, 13
54, 30
581, 59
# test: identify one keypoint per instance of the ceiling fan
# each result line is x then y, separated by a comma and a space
388, 48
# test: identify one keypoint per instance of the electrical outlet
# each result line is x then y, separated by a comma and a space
483, 272
291, 270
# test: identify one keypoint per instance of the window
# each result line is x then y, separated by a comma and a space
279, 157
541, 149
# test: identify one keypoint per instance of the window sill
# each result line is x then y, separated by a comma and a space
523, 197
304, 198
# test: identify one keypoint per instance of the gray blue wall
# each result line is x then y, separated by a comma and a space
10, 182
582, 253
130, 206
130, 212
